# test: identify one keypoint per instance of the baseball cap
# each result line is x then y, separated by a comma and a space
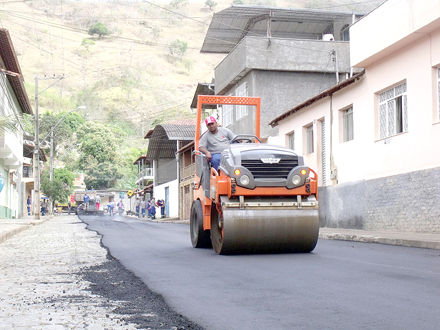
210, 120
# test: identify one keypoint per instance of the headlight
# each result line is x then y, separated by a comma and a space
296, 179
244, 180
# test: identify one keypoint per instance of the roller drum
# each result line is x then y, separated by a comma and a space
267, 230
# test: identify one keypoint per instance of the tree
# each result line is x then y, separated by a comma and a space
211, 4
99, 29
179, 3
178, 47
61, 186
100, 158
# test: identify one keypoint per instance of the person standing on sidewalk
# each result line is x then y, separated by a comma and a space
138, 203
29, 205
69, 207
148, 209
152, 209
143, 207
161, 204
44, 207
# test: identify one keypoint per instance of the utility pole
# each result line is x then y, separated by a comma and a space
37, 145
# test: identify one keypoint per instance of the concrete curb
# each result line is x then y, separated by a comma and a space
10, 233
426, 244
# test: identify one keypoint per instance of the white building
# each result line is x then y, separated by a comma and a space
373, 138
13, 103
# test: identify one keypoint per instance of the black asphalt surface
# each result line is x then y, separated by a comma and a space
341, 285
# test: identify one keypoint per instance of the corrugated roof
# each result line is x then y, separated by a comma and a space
164, 139
328, 92
28, 151
7, 53
202, 89
229, 26
140, 158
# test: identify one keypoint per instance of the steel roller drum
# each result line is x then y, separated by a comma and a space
267, 230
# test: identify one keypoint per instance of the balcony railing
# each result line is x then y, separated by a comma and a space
146, 172
187, 171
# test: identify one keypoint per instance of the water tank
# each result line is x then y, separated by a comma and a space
328, 37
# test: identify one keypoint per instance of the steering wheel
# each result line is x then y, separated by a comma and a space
244, 138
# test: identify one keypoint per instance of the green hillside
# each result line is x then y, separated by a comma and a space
131, 74
132, 64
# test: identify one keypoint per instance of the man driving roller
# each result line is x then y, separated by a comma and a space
213, 142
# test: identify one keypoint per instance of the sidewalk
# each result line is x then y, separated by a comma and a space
11, 227
420, 240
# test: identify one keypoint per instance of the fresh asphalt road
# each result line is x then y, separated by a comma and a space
340, 285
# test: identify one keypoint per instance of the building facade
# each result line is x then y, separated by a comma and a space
13, 103
373, 138
164, 142
284, 56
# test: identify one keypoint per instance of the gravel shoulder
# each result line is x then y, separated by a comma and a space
57, 275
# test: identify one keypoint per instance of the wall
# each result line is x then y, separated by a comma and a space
391, 26
165, 171
159, 193
383, 184
279, 91
273, 54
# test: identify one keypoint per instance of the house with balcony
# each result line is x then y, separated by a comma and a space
164, 142
187, 168
13, 103
284, 56
145, 172
373, 138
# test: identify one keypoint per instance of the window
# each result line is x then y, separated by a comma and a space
393, 112
227, 114
241, 109
309, 139
292, 140
345, 32
347, 125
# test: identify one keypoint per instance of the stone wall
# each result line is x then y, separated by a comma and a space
407, 202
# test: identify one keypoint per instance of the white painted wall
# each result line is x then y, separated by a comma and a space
367, 156
393, 25
159, 193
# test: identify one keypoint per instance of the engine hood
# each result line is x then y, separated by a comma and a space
258, 150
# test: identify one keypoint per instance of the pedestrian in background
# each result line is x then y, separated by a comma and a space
69, 207
97, 202
149, 208
86, 201
161, 204
143, 207
43, 207
138, 203
29, 205
152, 209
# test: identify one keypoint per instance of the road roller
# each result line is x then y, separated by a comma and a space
262, 198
